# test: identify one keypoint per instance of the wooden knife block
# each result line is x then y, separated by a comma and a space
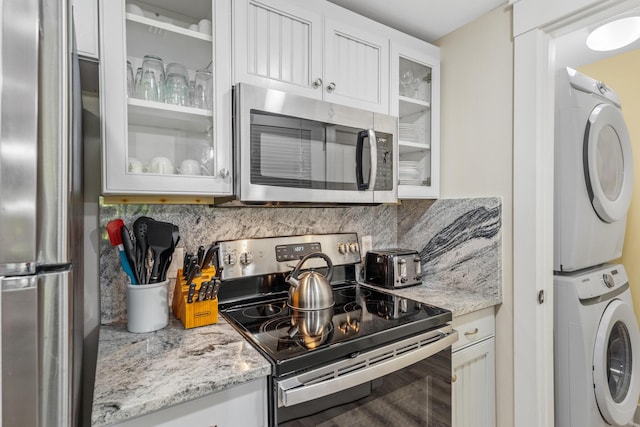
196, 313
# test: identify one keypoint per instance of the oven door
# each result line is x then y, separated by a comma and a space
294, 149
407, 383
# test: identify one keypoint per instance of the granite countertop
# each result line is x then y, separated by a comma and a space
459, 301
140, 373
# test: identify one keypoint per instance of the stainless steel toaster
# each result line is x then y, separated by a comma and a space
393, 268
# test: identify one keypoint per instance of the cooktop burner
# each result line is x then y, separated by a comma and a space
361, 318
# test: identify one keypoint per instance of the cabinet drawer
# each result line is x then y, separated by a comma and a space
474, 327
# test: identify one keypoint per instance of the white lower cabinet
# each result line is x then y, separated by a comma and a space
244, 405
473, 362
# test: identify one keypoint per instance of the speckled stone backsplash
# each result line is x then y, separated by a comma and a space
459, 239
202, 225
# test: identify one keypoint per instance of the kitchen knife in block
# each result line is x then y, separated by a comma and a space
197, 313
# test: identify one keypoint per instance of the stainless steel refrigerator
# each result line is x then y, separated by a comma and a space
41, 308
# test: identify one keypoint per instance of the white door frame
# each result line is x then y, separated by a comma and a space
535, 25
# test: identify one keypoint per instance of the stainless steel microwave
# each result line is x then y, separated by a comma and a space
290, 148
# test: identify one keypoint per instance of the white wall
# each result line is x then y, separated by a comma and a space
477, 151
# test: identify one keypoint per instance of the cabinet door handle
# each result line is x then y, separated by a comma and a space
224, 172
317, 82
331, 87
473, 332
454, 378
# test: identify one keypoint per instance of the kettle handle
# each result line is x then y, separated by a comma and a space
304, 259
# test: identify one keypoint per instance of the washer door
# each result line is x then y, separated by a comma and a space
616, 364
608, 165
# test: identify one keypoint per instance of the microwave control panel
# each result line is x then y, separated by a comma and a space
384, 179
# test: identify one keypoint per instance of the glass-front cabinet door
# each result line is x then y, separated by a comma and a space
166, 97
415, 94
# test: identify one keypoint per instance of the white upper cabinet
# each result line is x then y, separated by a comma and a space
303, 51
159, 140
415, 91
356, 67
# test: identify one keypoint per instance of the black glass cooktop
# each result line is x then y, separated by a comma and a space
362, 318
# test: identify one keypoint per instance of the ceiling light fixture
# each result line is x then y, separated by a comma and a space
615, 34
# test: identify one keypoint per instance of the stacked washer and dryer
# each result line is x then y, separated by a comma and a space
596, 337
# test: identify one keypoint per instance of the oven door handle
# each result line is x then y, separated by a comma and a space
293, 391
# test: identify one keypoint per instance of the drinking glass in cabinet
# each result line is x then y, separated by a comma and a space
203, 89
152, 81
176, 89
129, 79
136, 82
415, 80
177, 68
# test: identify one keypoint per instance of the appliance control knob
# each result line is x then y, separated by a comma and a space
343, 327
608, 280
229, 258
245, 258
342, 248
353, 247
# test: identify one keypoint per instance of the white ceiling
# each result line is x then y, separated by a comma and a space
425, 19
571, 48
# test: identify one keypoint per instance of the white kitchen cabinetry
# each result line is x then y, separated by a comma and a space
311, 52
244, 405
415, 95
137, 131
473, 361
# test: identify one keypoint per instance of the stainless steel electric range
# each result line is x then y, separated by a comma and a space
373, 358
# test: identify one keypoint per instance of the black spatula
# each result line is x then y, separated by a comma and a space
160, 240
140, 233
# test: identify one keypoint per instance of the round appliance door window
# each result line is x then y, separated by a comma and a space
616, 364
608, 165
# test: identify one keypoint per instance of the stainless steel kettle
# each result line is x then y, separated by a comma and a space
311, 290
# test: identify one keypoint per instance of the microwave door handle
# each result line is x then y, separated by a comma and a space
369, 133
373, 171
359, 148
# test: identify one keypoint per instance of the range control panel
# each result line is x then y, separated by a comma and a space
255, 257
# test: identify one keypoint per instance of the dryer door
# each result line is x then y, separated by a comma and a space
616, 363
608, 166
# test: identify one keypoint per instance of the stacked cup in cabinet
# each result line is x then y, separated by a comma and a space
169, 90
